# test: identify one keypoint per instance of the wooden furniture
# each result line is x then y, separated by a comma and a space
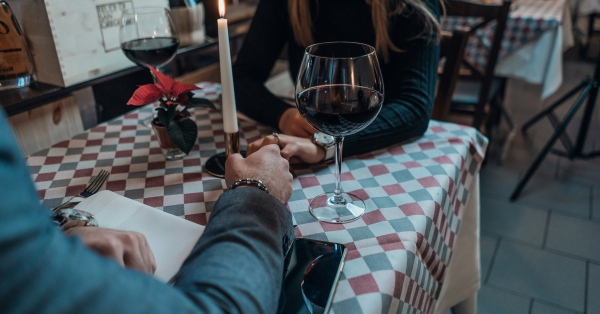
75, 41
452, 48
33, 110
480, 92
44, 126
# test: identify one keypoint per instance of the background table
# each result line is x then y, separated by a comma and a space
399, 252
537, 33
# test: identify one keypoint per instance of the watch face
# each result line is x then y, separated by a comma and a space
324, 138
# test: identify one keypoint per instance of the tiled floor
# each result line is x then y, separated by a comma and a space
541, 254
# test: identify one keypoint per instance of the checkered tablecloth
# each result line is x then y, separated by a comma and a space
526, 23
398, 252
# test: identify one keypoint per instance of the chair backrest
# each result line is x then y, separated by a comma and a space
452, 48
487, 13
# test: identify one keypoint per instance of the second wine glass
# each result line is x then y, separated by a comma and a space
148, 36
339, 91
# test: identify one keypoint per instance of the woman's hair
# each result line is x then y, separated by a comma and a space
381, 11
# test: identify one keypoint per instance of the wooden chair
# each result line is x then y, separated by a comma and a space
479, 93
452, 48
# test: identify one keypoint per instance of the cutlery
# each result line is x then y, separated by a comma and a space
90, 190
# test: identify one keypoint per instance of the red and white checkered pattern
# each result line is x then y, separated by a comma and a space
526, 23
398, 251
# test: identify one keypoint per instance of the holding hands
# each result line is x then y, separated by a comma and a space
292, 123
266, 165
295, 149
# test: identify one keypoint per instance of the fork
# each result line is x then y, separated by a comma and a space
90, 190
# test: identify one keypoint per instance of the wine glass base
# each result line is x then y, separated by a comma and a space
328, 208
173, 154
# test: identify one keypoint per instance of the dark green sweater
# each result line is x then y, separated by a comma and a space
409, 78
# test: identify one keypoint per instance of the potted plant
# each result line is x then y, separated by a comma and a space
175, 131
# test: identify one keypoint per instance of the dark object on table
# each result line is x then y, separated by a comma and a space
312, 273
590, 90
215, 165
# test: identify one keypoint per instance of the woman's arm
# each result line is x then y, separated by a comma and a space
409, 101
262, 46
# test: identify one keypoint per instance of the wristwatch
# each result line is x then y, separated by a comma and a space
327, 142
67, 218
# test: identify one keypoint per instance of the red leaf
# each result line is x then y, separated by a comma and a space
145, 94
180, 89
165, 83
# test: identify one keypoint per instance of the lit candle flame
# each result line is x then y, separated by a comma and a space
222, 9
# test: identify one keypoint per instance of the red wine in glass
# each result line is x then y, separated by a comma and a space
339, 110
339, 91
154, 52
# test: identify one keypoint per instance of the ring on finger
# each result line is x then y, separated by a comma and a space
278, 139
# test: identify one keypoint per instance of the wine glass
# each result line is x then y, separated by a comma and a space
339, 91
148, 36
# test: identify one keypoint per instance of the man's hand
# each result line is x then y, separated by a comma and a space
129, 249
291, 147
265, 165
292, 123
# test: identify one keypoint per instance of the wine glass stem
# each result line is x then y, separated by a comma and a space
337, 193
153, 76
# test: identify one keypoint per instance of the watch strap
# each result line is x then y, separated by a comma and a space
329, 153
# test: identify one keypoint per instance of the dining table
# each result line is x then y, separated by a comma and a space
537, 33
415, 250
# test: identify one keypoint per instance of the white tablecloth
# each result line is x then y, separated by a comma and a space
464, 273
540, 61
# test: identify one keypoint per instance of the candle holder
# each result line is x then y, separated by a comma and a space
215, 165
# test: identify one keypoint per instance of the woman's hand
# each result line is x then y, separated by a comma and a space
291, 146
292, 123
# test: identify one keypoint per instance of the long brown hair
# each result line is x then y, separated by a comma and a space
381, 11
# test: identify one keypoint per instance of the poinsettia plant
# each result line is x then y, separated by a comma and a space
175, 99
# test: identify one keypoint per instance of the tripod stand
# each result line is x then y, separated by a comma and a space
590, 90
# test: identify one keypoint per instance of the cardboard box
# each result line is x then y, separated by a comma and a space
73, 41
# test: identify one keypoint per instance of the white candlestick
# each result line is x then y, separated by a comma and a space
229, 109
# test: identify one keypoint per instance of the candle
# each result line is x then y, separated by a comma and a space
229, 109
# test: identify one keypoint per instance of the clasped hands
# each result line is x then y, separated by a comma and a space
296, 142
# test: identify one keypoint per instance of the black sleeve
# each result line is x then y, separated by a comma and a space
262, 46
409, 101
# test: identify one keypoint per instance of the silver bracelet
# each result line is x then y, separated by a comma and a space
249, 182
